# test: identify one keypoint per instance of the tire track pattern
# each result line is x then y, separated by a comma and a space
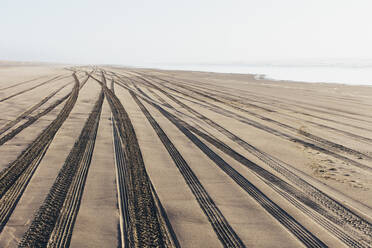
30, 110
236, 100
345, 216
53, 224
307, 238
24, 82
32, 119
144, 228
224, 231
14, 179
170, 239
318, 108
121, 174
278, 133
33, 87
313, 137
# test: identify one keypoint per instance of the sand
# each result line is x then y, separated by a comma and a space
319, 133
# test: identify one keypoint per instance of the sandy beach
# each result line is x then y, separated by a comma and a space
104, 156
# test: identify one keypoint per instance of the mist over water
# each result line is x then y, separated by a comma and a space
344, 72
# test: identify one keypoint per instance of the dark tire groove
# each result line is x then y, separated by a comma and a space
235, 100
32, 119
14, 179
278, 133
57, 78
321, 141
301, 104
144, 228
277, 103
307, 238
289, 192
23, 82
224, 231
53, 223
26, 113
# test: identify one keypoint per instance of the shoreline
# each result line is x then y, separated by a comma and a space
259, 72
283, 73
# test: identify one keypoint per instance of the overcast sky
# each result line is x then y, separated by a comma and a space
189, 31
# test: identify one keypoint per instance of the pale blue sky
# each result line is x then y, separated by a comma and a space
192, 31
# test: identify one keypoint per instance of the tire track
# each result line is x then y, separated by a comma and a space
321, 141
143, 226
307, 238
122, 190
32, 119
278, 133
309, 135
167, 229
280, 104
164, 103
315, 138
224, 231
286, 190
57, 78
61, 235
299, 103
275, 102
342, 132
235, 101
24, 82
53, 224
351, 99
279, 166
346, 133
30, 110
161, 101
166, 226
14, 179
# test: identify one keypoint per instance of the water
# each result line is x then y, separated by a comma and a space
354, 74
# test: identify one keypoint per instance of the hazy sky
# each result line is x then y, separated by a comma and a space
189, 31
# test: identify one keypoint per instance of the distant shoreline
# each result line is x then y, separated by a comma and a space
361, 76
358, 74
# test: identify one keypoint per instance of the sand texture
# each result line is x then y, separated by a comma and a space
124, 157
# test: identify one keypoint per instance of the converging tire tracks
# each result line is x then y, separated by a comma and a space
286, 190
14, 179
307, 238
224, 231
32, 119
57, 78
53, 223
234, 101
282, 105
278, 133
144, 225
23, 82
26, 113
320, 141
316, 109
